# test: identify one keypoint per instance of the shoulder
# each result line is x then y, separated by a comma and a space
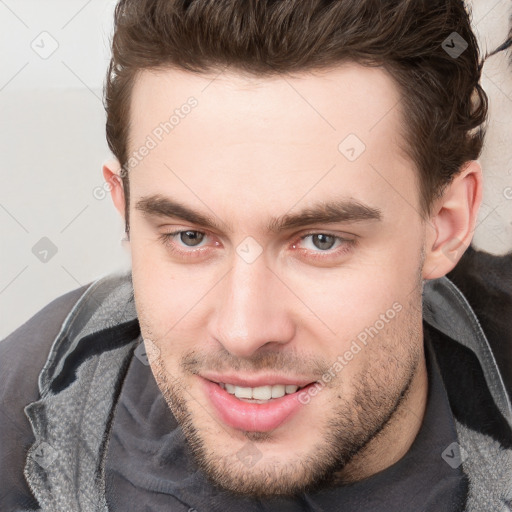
24, 351
22, 355
486, 281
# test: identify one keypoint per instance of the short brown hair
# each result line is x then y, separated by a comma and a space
443, 103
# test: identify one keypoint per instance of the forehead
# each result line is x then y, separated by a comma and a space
283, 137
349, 98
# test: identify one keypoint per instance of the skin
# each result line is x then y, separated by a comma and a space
257, 148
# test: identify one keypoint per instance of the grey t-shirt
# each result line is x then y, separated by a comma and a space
149, 467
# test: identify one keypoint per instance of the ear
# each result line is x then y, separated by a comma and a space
452, 222
112, 175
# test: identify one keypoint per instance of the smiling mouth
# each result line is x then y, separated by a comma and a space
260, 408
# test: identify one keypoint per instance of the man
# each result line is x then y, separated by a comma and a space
296, 180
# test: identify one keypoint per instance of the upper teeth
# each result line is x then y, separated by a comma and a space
261, 392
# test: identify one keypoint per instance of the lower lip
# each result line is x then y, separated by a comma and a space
252, 417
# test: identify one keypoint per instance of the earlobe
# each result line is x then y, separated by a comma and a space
111, 173
451, 226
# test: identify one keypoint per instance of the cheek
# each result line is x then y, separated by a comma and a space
380, 354
348, 302
164, 290
170, 303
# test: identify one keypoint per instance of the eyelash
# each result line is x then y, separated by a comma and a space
347, 245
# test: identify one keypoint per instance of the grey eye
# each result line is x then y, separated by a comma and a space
191, 238
322, 241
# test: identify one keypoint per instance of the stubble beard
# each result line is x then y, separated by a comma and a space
379, 391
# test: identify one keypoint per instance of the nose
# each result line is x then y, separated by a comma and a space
252, 310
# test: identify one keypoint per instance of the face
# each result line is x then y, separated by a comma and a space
277, 268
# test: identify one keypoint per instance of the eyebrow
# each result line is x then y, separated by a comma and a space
326, 212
